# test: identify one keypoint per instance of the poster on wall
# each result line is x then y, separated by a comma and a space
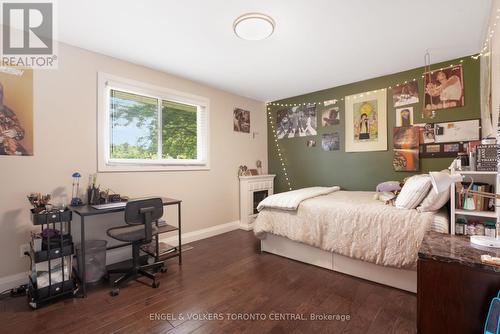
330, 141
366, 122
444, 88
241, 120
405, 94
330, 116
16, 112
404, 116
406, 150
298, 121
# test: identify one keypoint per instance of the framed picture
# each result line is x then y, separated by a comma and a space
16, 112
404, 116
406, 150
253, 172
298, 121
444, 88
241, 120
330, 116
366, 122
330, 141
405, 94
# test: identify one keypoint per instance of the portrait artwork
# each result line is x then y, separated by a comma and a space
241, 120
330, 116
16, 112
444, 88
366, 121
404, 116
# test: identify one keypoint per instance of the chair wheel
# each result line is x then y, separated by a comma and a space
114, 292
156, 284
163, 269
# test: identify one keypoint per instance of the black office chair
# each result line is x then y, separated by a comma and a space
141, 215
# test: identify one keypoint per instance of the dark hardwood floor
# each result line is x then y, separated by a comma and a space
225, 275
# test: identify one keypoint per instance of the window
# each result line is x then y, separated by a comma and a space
142, 127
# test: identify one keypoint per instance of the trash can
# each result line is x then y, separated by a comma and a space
95, 259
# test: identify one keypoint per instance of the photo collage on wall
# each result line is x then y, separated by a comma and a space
365, 118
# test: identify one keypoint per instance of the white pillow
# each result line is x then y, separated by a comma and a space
434, 201
414, 191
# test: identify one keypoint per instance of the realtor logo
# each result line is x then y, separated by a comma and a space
28, 34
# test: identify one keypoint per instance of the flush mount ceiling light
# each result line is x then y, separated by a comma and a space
253, 26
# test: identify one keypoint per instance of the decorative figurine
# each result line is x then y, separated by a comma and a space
242, 170
258, 163
75, 200
39, 201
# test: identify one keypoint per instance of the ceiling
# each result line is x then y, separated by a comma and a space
317, 44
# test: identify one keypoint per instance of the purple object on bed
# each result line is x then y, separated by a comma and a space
388, 186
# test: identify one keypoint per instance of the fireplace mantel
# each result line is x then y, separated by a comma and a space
249, 185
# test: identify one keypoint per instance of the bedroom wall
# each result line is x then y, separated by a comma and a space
363, 171
65, 135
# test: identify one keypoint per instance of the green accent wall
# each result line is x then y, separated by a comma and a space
363, 171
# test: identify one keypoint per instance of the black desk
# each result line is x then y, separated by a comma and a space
87, 211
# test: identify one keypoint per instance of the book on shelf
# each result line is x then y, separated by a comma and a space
475, 202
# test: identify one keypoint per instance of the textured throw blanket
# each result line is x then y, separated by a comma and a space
290, 200
353, 224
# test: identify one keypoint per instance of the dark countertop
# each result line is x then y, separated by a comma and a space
456, 249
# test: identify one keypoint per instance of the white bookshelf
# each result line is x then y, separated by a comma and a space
477, 176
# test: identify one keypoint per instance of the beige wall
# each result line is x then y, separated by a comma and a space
65, 135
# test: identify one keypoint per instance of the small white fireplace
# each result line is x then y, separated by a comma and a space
253, 189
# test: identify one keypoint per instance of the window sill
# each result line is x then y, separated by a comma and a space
133, 167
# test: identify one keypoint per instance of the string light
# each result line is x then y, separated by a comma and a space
280, 155
334, 101
489, 37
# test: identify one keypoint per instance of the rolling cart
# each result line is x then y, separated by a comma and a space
51, 252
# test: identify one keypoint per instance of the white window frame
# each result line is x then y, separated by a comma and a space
106, 82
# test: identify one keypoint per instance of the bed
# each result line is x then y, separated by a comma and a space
349, 232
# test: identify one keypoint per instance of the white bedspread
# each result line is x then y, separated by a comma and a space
353, 224
290, 200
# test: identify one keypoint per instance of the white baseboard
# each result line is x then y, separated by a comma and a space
12, 281
246, 227
203, 233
